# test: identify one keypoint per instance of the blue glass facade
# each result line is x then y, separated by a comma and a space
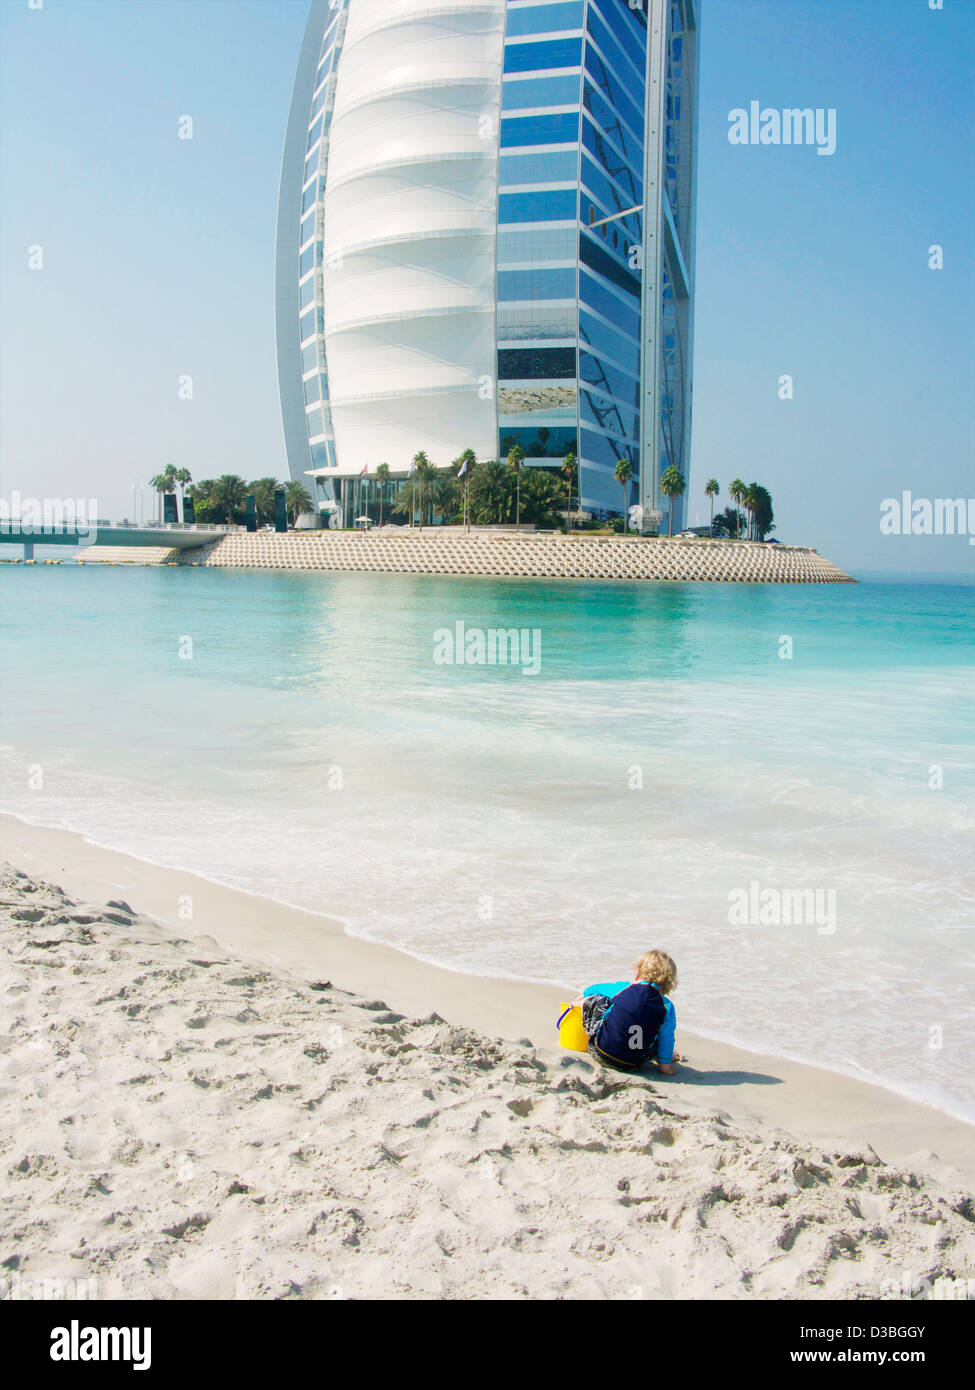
538, 206
318, 423
678, 208
577, 184
611, 181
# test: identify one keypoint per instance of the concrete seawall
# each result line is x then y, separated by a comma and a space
526, 556
130, 555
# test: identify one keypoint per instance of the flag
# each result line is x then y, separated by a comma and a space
365, 470
412, 470
463, 469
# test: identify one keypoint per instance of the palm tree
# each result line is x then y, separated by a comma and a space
203, 500
712, 489
672, 485
296, 501
424, 471
541, 496
467, 461
183, 477
570, 467
736, 491
516, 458
230, 494
750, 502
623, 472
762, 511
403, 501
382, 478
263, 490
164, 482
446, 496
491, 494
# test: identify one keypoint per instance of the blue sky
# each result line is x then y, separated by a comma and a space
159, 255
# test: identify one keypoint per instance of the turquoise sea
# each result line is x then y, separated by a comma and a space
668, 755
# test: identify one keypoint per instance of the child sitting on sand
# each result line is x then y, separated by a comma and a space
631, 1022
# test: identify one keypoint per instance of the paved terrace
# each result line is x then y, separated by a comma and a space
526, 555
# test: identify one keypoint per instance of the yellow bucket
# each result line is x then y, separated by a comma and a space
572, 1035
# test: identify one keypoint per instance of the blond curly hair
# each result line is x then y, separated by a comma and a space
659, 969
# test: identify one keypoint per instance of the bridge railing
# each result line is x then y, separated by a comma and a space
38, 530
168, 525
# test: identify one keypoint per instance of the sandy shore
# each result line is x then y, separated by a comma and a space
183, 1113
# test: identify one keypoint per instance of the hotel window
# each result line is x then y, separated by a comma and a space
613, 197
609, 107
560, 129
537, 284
311, 163
628, 68
545, 19
540, 441
609, 378
552, 206
609, 415
537, 364
536, 245
319, 101
593, 256
600, 449
554, 166
534, 57
616, 152
608, 340
610, 305
547, 321
540, 92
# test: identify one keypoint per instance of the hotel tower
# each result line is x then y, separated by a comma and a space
486, 237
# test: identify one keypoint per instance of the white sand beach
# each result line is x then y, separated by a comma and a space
247, 1103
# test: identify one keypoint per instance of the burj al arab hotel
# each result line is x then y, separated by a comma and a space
486, 238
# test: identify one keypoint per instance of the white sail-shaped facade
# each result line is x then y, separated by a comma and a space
410, 215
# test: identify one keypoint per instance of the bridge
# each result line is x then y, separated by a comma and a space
173, 535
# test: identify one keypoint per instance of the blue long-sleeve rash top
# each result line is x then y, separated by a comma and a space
668, 1029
